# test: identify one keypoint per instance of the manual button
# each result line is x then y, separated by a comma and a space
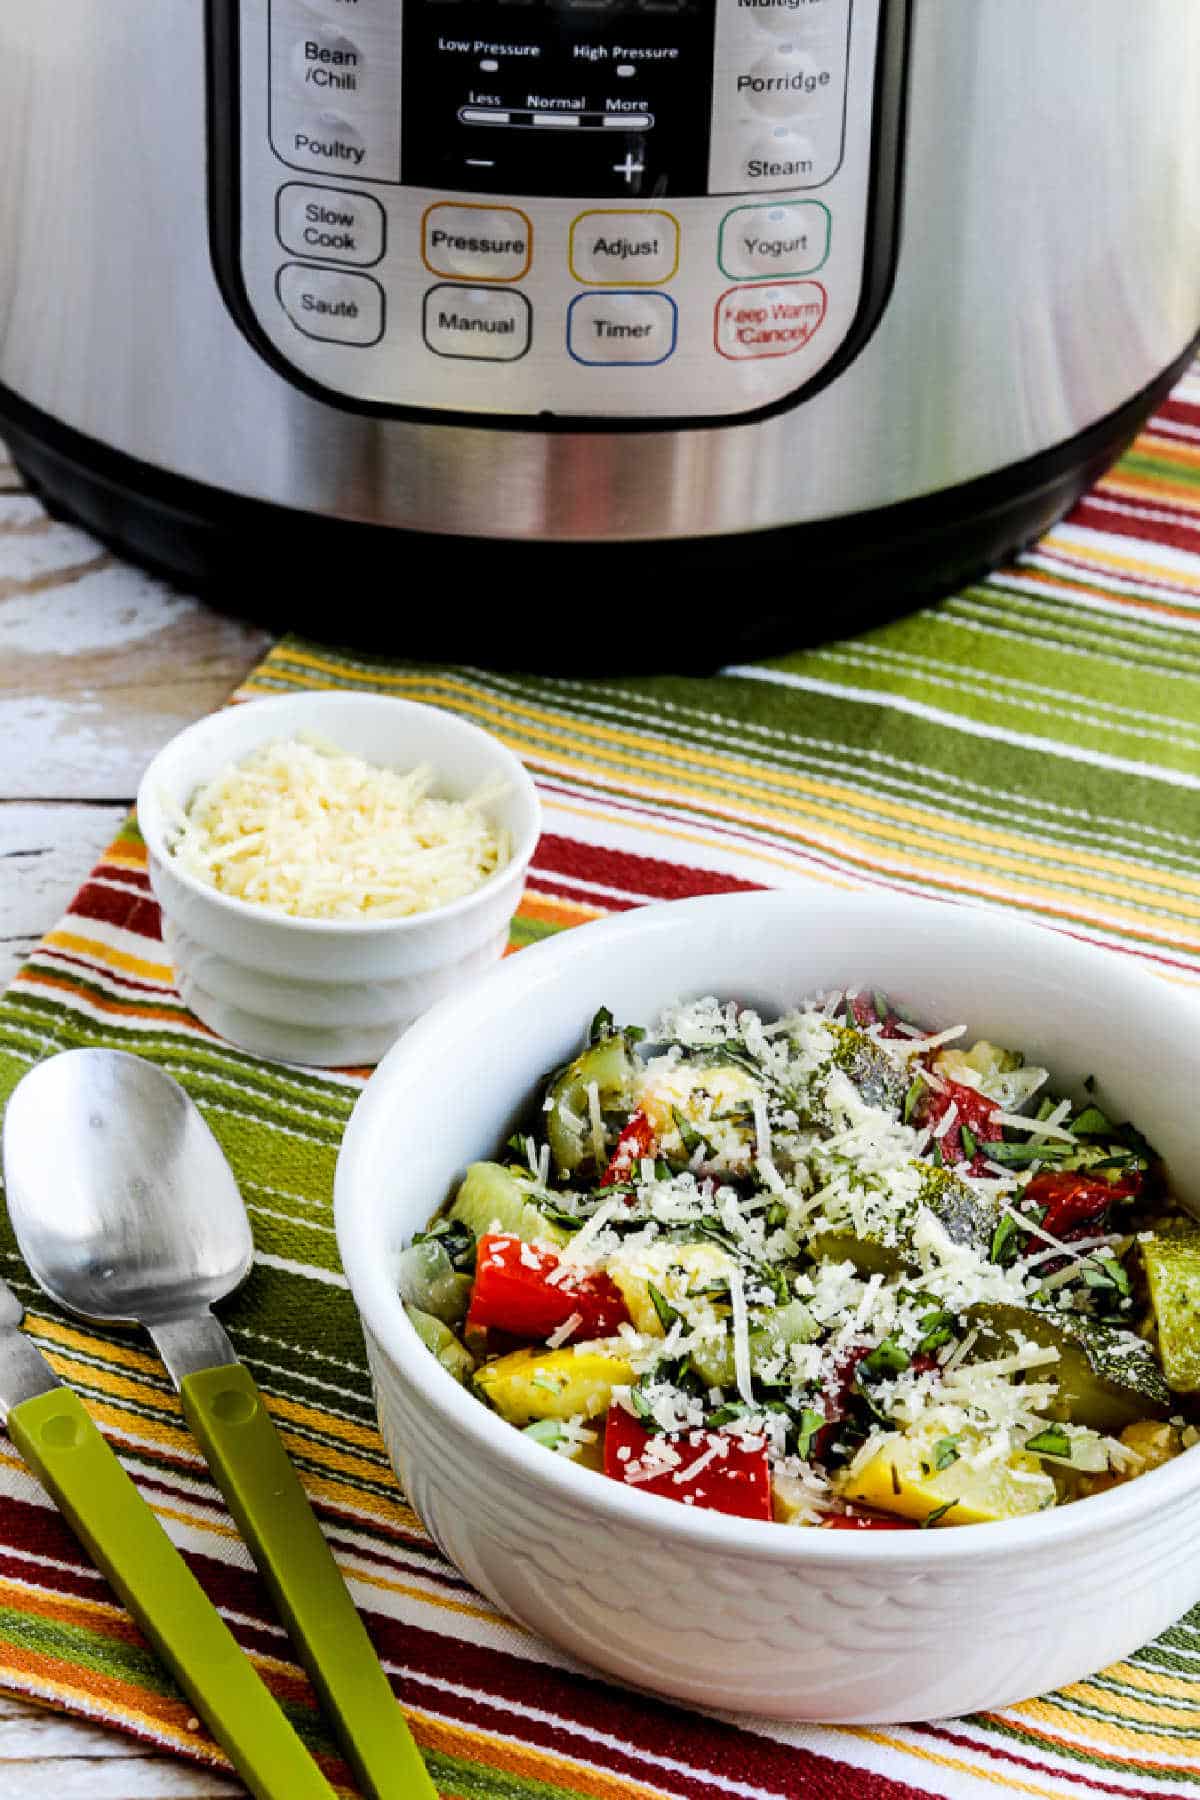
332, 304
479, 324
624, 249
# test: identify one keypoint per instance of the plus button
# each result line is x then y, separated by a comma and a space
629, 168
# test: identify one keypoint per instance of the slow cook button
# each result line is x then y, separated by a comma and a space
331, 304
621, 328
624, 249
331, 225
774, 239
482, 243
769, 320
478, 324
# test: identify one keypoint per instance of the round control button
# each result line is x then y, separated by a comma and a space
327, 66
788, 83
781, 157
482, 243
785, 18
345, 10
327, 141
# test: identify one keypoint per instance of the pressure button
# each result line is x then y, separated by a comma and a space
477, 243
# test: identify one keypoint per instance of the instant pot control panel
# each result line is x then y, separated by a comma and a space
605, 210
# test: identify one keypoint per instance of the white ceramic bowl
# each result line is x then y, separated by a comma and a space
722, 1612
324, 991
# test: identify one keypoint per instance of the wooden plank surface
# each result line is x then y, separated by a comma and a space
99, 666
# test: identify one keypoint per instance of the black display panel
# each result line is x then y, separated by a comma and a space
558, 97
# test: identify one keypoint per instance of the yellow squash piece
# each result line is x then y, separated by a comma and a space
679, 1271
902, 1477
552, 1384
1172, 1265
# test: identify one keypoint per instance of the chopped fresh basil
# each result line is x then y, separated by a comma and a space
601, 1026
1053, 1441
545, 1431
945, 1452
689, 1137
882, 1007
970, 1142
1091, 1122
939, 1512
667, 1314
911, 1098
935, 1154
775, 1216
889, 1358
811, 1423
1017, 1155
1004, 1240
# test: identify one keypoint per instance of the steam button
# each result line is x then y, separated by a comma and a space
332, 304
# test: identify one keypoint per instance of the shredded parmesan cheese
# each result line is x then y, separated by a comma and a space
307, 829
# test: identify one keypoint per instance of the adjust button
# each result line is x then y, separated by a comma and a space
478, 324
768, 321
624, 249
330, 225
332, 304
622, 328
480, 243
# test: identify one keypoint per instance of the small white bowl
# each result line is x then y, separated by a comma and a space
330, 991
722, 1612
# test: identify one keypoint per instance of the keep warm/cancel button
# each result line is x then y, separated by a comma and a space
774, 319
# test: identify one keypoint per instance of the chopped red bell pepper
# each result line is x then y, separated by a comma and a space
1076, 1203
974, 1110
732, 1477
861, 1521
513, 1293
637, 1140
866, 1013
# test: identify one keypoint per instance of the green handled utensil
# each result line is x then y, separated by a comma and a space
50, 1426
126, 1211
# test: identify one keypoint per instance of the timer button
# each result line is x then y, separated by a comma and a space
331, 304
478, 243
622, 328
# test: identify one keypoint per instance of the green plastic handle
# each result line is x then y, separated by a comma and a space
227, 1413
58, 1440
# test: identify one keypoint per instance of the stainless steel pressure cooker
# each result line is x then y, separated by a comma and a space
818, 305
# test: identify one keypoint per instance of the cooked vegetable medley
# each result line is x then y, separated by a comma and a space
832, 1270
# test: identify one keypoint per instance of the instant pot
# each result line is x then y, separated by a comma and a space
410, 306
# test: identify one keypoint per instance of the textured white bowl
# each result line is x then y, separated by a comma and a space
722, 1612
324, 991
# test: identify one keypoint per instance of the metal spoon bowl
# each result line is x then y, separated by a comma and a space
127, 1212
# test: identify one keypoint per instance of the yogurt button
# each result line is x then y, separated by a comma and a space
776, 239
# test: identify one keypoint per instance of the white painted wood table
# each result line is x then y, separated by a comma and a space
99, 666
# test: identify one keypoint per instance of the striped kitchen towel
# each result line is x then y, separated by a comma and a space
1031, 744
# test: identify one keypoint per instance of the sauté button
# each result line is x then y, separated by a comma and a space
478, 324
774, 238
327, 66
768, 320
480, 243
621, 328
332, 304
331, 225
624, 249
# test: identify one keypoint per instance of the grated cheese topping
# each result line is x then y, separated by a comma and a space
309, 830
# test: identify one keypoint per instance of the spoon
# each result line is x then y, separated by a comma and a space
127, 1212
53, 1431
